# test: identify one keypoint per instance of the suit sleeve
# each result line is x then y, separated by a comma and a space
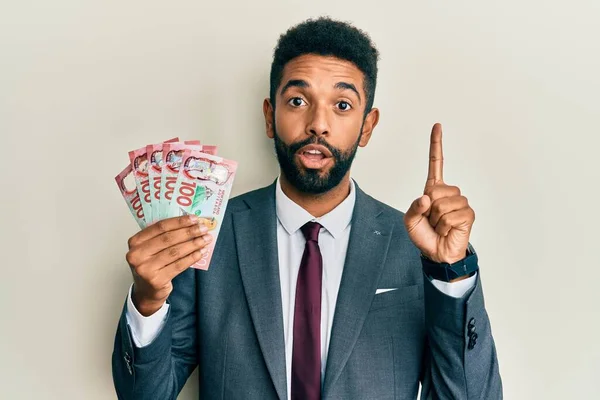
460, 359
160, 369
144, 329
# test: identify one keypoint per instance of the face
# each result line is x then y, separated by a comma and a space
318, 121
141, 164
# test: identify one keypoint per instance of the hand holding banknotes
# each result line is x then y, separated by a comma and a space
159, 253
172, 179
439, 222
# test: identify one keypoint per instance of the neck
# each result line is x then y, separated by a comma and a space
317, 204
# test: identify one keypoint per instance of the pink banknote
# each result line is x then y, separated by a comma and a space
154, 155
140, 164
173, 156
203, 188
131, 195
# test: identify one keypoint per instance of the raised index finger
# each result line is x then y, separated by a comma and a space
165, 225
436, 157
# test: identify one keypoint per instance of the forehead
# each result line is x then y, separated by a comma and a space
322, 70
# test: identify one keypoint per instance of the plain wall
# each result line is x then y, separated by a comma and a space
515, 84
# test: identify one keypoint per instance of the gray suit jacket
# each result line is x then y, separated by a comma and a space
228, 321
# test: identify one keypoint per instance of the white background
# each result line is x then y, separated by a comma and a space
515, 84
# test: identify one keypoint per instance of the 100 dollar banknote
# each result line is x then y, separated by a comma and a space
130, 194
173, 158
154, 155
203, 188
139, 164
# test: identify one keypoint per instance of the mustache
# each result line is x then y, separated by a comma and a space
294, 147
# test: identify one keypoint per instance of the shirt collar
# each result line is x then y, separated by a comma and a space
292, 217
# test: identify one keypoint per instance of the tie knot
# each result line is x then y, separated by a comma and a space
311, 231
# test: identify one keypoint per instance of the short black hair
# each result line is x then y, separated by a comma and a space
327, 37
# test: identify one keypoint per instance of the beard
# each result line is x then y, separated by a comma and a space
313, 181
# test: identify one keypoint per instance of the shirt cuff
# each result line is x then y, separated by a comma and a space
455, 289
144, 329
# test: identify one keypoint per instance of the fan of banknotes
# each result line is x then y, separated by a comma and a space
175, 178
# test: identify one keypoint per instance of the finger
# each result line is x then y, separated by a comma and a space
414, 214
458, 219
174, 253
436, 157
165, 225
150, 269
446, 205
440, 191
170, 239
178, 266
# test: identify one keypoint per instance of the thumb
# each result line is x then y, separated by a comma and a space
416, 210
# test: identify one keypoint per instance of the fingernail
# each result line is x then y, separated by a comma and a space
207, 238
203, 228
193, 218
203, 250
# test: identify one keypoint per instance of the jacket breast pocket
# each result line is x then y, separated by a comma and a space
396, 297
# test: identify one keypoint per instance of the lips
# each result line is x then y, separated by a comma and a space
315, 150
314, 156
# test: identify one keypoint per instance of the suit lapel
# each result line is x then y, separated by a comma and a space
256, 241
367, 248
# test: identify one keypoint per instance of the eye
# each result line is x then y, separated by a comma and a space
296, 102
343, 105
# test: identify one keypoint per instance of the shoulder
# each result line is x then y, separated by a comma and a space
391, 211
386, 210
242, 202
388, 213
393, 214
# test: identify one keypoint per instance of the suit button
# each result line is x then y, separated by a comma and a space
472, 343
472, 330
472, 322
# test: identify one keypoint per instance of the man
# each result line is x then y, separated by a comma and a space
315, 290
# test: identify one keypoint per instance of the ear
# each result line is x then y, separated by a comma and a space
370, 123
268, 112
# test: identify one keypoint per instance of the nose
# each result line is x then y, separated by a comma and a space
318, 123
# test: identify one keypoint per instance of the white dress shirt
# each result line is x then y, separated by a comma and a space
333, 243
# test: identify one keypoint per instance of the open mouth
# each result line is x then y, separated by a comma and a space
314, 156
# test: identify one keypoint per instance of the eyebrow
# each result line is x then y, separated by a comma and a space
294, 83
348, 86
303, 84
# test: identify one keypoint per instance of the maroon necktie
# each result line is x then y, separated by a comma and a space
306, 356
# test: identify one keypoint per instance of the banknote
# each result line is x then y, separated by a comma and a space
173, 157
203, 188
127, 186
154, 155
139, 164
